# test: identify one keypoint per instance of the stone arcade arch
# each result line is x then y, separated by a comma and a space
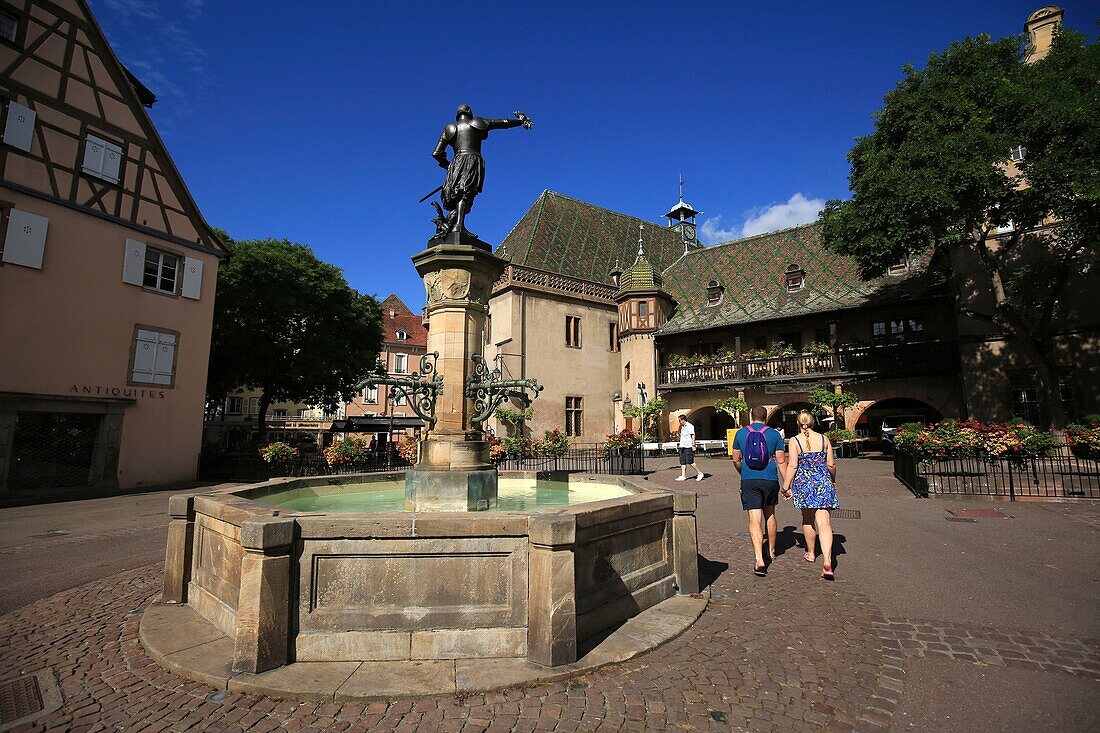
710, 424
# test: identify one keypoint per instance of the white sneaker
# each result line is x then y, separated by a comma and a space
681, 478
699, 477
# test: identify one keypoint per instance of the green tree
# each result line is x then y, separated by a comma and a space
834, 402
732, 406
933, 179
289, 325
650, 415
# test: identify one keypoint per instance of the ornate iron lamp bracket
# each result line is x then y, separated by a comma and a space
489, 390
420, 389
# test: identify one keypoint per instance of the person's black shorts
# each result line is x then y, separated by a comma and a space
757, 493
687, 456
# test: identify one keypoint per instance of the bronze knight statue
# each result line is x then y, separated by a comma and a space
466, 170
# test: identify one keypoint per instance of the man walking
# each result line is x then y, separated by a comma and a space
758, 454
687, 450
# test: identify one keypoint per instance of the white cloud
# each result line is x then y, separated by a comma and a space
797, 210
711, 231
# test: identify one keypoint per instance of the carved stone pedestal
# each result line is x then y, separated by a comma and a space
455, 473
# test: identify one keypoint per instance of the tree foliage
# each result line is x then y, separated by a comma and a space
650, 415
289, 325
935, 179
732, 406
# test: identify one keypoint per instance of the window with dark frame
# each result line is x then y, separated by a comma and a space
821, 335
234, 405
612, 337
1025, 396
878, 330
760, 343
370, 395
792, 339
9, 26
400, 363
900, 267
714, 292
161, 271
643, 310
626, 372
795, 278
1017, 153
574, 417
278, 415
573, 331
1066, 394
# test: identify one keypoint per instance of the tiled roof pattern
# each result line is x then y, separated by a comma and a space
752, 271
639, 276
403, 319
572, 237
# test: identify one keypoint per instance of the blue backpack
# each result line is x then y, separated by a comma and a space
757, 456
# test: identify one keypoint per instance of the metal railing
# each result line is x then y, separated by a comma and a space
247, 467
582, 458
885, 359
1062, 474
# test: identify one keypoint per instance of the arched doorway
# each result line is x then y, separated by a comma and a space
893, 411
786, 417
710, 424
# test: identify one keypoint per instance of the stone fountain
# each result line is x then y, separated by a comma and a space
330, 588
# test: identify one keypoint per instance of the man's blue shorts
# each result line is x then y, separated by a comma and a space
687, 456
757, 493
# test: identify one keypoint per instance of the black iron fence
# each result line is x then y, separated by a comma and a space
248, 467
1063, 474
582, 458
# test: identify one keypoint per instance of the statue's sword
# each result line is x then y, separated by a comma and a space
431, 193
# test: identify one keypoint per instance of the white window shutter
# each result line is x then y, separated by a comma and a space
112, 160
19, 127
93, 154
133, 267
145, 356
166, 356
192, 278
25, 242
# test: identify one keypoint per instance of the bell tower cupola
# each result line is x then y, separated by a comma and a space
682, 217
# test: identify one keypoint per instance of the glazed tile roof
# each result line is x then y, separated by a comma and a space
640, 276
571, 237
401, 319
752, 271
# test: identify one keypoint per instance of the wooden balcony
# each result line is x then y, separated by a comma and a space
885, 360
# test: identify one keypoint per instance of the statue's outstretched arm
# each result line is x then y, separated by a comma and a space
520, 119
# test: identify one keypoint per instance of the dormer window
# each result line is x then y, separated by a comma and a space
714, 292
402, 335
900, 267
795, 278
1017, 153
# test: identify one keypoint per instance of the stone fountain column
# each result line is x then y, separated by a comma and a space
455, 472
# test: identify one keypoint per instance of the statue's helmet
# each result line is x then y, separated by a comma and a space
463, 110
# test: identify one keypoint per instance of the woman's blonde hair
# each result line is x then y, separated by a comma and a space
806, 420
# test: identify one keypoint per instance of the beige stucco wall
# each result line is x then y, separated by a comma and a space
637, 351
529, 329
68, 329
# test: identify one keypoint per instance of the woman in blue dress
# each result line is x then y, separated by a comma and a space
810, 481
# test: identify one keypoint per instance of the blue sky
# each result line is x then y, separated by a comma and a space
315, 121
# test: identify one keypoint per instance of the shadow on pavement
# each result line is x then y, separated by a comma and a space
710, 571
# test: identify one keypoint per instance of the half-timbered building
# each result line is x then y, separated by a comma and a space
107, 271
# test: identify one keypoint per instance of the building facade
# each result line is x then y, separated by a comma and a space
380, 410
107, 272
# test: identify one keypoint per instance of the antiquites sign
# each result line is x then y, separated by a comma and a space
131, 392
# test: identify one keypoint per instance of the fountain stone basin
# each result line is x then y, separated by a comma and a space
289, 585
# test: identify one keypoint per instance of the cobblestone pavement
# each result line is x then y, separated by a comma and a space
789, 652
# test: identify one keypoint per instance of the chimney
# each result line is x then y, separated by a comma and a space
1040, 27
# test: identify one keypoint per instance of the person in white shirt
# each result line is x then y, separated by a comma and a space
687, 450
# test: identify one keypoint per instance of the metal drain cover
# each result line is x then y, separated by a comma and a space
961, 519
845, 514
19, 698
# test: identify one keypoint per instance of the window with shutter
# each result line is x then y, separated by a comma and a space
102, 158
9, 26
25, 239
161, 272
234, 405
192, 278
154, 360
400, 363
19, 126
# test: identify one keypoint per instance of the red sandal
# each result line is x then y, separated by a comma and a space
827, 573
